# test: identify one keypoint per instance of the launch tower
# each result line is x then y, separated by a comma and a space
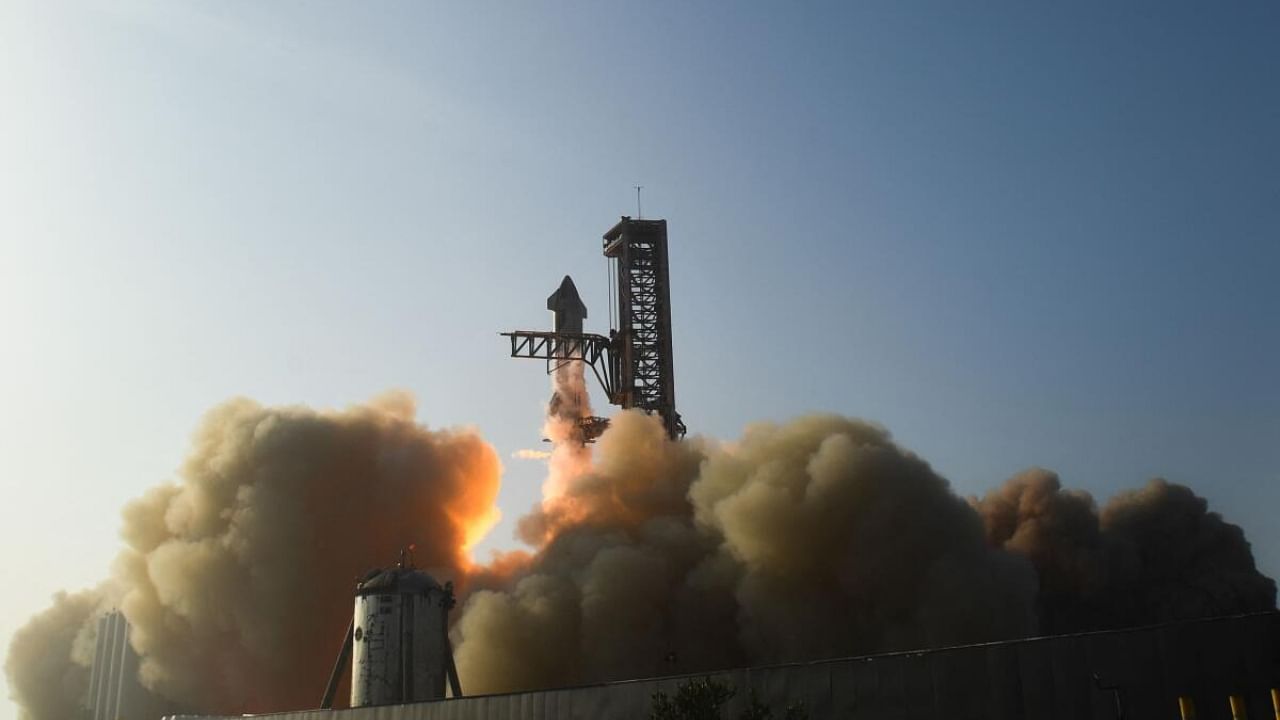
634, 363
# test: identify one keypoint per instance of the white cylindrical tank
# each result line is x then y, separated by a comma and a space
400, 651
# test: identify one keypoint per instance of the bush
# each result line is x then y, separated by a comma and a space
698, 699
703, 698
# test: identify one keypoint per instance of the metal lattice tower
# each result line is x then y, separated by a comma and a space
644, 318
634, 363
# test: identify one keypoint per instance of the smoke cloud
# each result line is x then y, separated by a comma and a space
1151, 555
821, 537
237, 579
49, 658
814, 538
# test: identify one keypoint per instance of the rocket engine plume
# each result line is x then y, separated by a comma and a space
570, 456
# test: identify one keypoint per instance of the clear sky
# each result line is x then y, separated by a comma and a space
1016, 234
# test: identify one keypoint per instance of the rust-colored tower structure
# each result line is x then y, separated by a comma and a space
639, 249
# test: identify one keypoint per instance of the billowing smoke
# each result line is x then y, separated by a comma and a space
1152, 555
593, 602
237, 579
819, 538
49, 658
812, 539
815, 538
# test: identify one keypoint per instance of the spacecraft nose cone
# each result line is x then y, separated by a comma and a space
566, 299
568, 308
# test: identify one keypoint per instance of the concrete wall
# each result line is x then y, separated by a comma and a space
1045, 678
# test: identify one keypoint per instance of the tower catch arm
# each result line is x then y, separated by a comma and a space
558, 348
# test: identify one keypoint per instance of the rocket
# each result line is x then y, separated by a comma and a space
567, 307
569, 311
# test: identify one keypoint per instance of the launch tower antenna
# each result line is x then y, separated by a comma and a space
639, 215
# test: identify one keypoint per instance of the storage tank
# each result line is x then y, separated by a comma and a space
400, 638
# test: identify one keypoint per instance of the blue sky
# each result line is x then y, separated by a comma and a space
1015, 235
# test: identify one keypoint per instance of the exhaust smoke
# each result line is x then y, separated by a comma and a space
813, 538
237, 579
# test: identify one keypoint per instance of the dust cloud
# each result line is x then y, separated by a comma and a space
237, 579
813, 538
